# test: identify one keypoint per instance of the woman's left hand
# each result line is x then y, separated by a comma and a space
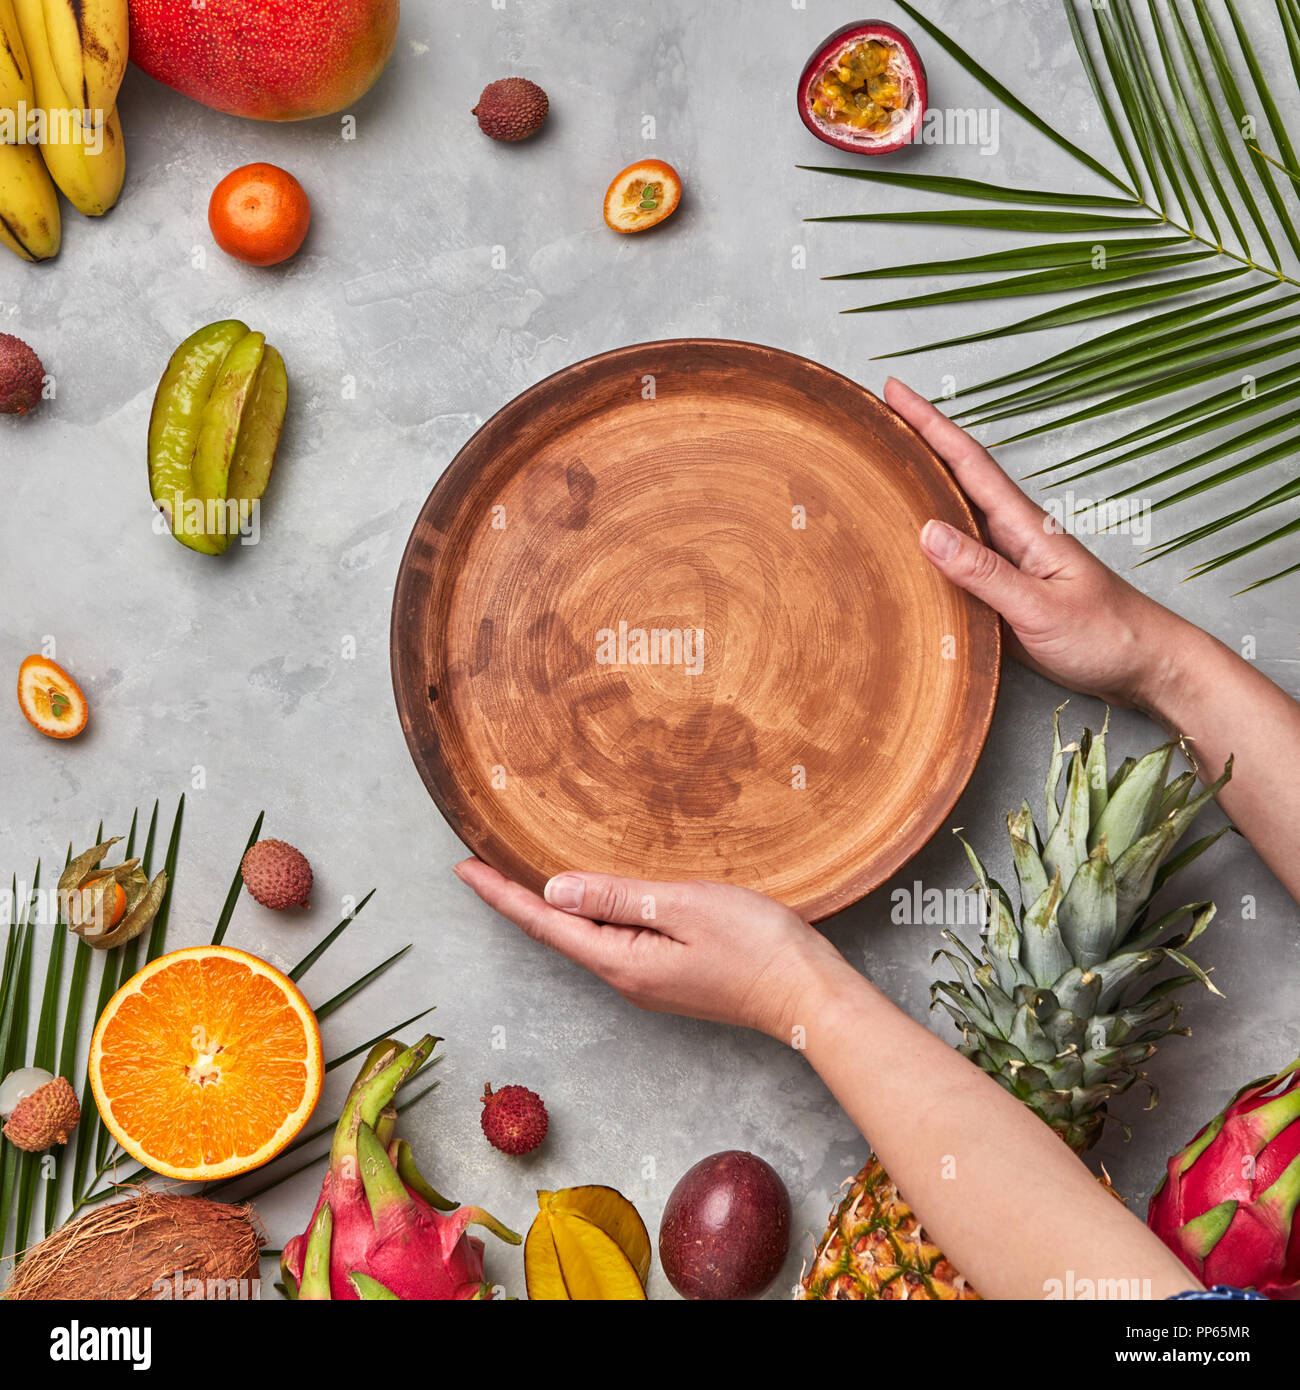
706, 950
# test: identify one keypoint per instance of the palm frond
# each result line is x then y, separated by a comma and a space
1177, 86
59, 1038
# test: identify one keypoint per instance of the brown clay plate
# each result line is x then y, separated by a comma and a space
665, 615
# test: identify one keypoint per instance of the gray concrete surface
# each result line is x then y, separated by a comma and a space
239, 674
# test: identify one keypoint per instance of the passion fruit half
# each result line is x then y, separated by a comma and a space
864, 89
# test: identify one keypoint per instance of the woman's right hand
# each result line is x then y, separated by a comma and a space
1070, 617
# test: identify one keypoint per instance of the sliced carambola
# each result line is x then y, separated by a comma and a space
259, 430
177, 414
219, 433
586, 1243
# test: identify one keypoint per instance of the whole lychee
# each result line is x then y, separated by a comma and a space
22, 377
511, 109
514, 1119
47, 1116
277, 875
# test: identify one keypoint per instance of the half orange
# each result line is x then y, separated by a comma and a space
206, 1063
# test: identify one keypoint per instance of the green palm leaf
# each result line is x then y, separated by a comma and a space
1209, 409
991, 84
1154, 335
1288, 530
1210, 118
1177, 86
1096, 307
60, 1036
1285, 449
1177, 381
1072, 277
1138, 366
1192, 131
1100, 94
1028, 221
969, 188
1237, 105
1282, 395
1288, 492
1056, 253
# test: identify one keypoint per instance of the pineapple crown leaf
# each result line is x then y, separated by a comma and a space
1054, 771
1202, 915
954, 940
1132, 809
1046, 1007
1197, 972
1184, 857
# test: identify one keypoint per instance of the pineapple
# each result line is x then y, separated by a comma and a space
1053, 1007
874, 1247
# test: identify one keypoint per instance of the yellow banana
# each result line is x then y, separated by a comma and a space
88, 42
15, 74
88, 163
29, 206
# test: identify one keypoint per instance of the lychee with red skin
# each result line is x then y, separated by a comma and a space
22, 378
47, 1116
277, 875
514, 1119
511, 109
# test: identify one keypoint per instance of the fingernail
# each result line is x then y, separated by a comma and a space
564, 892
456, 869
940, 540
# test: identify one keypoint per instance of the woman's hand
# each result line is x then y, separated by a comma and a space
707, 950
1071, 618
1078, 623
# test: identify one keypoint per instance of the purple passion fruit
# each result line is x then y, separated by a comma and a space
863, 90
726, 1228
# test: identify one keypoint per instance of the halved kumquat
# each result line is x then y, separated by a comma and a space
642, 196
50, 698
206, 1063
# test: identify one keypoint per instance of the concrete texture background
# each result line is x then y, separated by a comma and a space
401, 338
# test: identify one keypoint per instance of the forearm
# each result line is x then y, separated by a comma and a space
995, 1188
1226, 707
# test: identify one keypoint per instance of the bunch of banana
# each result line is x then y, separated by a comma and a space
61, 64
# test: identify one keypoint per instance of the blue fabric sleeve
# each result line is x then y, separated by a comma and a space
1219, 1291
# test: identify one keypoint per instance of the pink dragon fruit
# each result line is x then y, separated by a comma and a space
1227, 1205
379, 1230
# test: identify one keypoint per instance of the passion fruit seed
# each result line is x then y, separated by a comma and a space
860, 91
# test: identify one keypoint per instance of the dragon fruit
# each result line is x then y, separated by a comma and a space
1227, 1205
379, 1230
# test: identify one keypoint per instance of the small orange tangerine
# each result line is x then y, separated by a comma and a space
259, 214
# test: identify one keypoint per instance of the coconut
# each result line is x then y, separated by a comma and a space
150, 1247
